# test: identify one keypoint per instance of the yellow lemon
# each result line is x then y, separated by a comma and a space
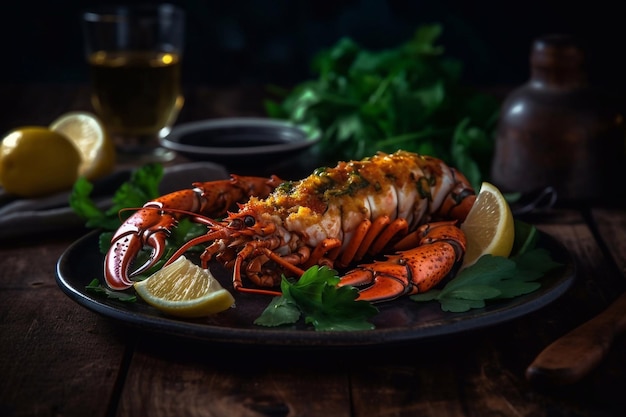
36, 161
90, 137
183, 289
489, 226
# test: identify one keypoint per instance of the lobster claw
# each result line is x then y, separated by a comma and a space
125, 245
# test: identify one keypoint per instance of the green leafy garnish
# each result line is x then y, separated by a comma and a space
317, 298
95, 287
142, 187
409, 97
525, 239
496, 277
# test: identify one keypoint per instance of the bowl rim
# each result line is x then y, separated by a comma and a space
171, 140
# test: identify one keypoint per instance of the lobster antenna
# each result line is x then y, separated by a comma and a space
197, 218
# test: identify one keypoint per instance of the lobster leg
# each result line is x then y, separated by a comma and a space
372, 237
351, 249
411, 271
289, 263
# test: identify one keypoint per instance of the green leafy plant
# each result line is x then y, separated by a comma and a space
492, 278
409, 97
495, 277
142, 187
316, 298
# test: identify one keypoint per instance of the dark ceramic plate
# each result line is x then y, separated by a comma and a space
398, 321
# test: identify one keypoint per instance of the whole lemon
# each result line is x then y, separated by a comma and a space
36, 161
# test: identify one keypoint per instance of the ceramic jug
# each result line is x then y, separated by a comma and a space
557, 130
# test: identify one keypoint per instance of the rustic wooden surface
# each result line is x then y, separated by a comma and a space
59, 359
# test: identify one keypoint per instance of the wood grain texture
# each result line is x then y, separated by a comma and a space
56, 358
573, 356
200, 379
59, 359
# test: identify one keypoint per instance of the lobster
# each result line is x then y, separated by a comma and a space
405, 206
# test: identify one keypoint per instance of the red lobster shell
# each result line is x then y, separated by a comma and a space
334, 217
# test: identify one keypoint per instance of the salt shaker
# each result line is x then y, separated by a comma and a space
557, 130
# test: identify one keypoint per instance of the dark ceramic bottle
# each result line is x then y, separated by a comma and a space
556, 130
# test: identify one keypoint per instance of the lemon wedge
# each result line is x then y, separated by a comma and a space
489, 226
89, 136
183, 289
36, 161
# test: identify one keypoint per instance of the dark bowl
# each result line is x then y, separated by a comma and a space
238, 142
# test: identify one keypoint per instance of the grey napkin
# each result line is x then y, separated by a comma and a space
22, 217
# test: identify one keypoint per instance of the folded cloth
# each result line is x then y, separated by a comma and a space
21, 217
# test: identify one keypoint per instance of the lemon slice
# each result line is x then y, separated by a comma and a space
183, 289
87, 132
489, 226
36, 161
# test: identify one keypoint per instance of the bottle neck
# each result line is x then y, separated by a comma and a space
558, 78
557, 61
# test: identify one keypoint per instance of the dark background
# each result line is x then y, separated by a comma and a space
265, 41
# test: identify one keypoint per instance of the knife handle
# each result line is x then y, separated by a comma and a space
571, 357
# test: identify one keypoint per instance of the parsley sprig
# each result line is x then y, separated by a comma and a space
409, 97
492, 278
317, 298
142, 186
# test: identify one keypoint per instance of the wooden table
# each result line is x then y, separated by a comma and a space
60, 359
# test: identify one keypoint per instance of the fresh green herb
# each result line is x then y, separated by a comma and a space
526, 236
409, 97
495, 277
142, 187
317, 298
95, 287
